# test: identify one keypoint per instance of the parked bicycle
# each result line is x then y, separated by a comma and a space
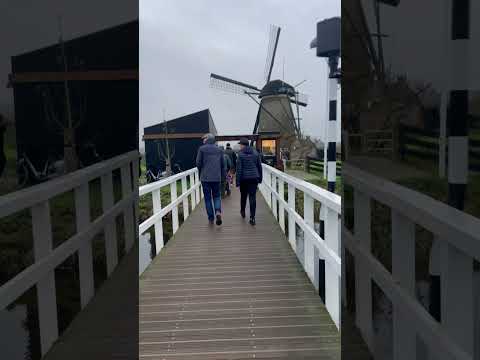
27, 172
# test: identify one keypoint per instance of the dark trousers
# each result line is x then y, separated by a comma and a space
211, 194
248, 188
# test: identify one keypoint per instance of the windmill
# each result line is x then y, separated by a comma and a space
274, 99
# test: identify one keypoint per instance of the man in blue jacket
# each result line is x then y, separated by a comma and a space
211, 167
249, 175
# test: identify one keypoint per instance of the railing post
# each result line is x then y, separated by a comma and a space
158, 227
185, 200
194, 193
333, 282
173, 196
85, 257
198, 192
403, 271
281, 192
274, 197
268, 191
135, 166
46, 294
308, 246
110, 228
457, 298
128, 213
363, 281
292, 235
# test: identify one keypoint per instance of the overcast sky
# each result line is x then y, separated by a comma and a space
418, 39
182, 42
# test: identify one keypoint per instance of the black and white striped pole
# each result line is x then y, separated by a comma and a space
327, 44
457, 116
332, 123
457, 138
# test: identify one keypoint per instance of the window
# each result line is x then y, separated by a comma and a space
269, 147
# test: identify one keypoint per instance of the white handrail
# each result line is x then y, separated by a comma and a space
159, 210
47, 258
315, 248
456, 234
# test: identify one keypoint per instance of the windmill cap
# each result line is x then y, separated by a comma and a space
243, 141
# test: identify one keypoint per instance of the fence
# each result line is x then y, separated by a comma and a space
423, 144
369, 142
46, 258
456, 234
311, 165
190, 190
320, 257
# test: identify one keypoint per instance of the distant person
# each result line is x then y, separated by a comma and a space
249, 175
233, 156
226, 179
3, 129
211, 166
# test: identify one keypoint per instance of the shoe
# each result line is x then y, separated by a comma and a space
219, 219
242, 213
252, 221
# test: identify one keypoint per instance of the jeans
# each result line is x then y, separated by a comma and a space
211, 193
248, 188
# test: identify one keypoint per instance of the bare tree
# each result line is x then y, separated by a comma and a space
164, 150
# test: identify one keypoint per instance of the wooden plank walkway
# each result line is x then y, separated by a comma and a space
232, 292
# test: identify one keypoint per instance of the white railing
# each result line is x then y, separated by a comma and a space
457, 235
314, 247
190, 190
46, 258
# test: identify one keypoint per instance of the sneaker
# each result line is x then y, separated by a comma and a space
219, 219
242, 212
252, 221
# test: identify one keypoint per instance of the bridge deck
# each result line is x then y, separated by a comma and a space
232, 292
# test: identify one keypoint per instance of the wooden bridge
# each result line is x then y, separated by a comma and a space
229, 292
234, 291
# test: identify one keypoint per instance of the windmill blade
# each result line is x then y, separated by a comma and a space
302, 99
230, 85
272, 49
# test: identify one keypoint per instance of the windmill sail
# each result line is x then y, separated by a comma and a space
230, 85
272, 49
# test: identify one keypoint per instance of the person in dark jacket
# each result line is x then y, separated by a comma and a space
225, 185
229, 151
211, 167
249, 175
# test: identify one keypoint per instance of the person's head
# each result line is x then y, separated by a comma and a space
208, 138
228, 145
243, 143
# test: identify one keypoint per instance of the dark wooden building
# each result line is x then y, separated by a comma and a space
184, 138
102, 74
